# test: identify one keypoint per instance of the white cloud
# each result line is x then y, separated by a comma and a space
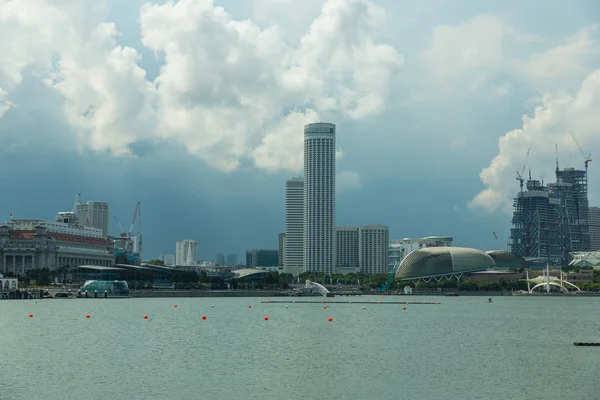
557, 114
228, 88
226, 85
484, 49
346, 181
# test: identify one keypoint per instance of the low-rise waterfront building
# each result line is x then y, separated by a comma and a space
33, 244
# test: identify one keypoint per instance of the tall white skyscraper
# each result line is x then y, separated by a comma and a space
294, 226
185, 252
94, 214
319, 198
373, 249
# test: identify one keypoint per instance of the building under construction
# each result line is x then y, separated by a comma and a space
551, 221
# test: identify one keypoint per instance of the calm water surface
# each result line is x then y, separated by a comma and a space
513, 348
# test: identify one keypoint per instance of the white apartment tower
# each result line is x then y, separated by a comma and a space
373, 248
185, 252
319, 198
594, 218
346, 244
294, 226
93, 214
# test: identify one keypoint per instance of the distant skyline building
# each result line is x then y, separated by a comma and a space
94, 214
347, 246
261, 258
168, 259
220, 259
231, 259
594, 217
373, 248
281, 249
571, 188
319, 198
185, 252
294, 226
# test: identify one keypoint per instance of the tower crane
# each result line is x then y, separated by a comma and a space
587, 159
75, 203
520, 173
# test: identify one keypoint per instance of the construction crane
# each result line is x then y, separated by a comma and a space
139, 238
520, 174
587, 159
496, 236
123, 233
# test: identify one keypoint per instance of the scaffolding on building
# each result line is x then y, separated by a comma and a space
536, 223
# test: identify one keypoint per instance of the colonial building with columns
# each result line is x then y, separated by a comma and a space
32, 244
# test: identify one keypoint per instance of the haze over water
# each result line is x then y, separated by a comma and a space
518, 348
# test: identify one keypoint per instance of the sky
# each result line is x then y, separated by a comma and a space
196, 109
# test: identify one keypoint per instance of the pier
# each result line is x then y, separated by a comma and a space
21, 294
375, 303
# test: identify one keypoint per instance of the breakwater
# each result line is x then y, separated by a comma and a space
201, 293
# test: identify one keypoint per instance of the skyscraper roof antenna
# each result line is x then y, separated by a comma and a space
556, 147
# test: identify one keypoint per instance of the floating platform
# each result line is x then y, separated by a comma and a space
404, 303
586, 344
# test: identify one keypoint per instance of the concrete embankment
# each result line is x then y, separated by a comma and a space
201, 293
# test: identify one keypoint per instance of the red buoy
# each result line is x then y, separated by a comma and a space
175, 306
249, 306
204, 317
324, 307
404, 308
145, 317
266, 318
329, 319
88, 316
30, 315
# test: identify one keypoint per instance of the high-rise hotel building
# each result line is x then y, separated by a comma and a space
319, 198
294, 226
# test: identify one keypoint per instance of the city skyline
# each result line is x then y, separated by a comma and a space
435, 107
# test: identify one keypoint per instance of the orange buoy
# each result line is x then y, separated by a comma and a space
266, 318
324, 307
378, 303
204, 317
329, 319
437, 302
145, 316
175, 306
30, 315
88, 316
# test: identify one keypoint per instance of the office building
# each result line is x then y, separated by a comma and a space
347, 247
319, 198
168, 259
400, 248
93, 214
261, 258
281, 250
231, 259
220, 259
373, 248
594, 218
294, 228
185, 252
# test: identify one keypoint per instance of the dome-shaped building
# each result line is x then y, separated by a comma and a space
507, 259
440, 261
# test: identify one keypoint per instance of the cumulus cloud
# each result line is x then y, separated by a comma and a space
228, 86
555, 116
228, 90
